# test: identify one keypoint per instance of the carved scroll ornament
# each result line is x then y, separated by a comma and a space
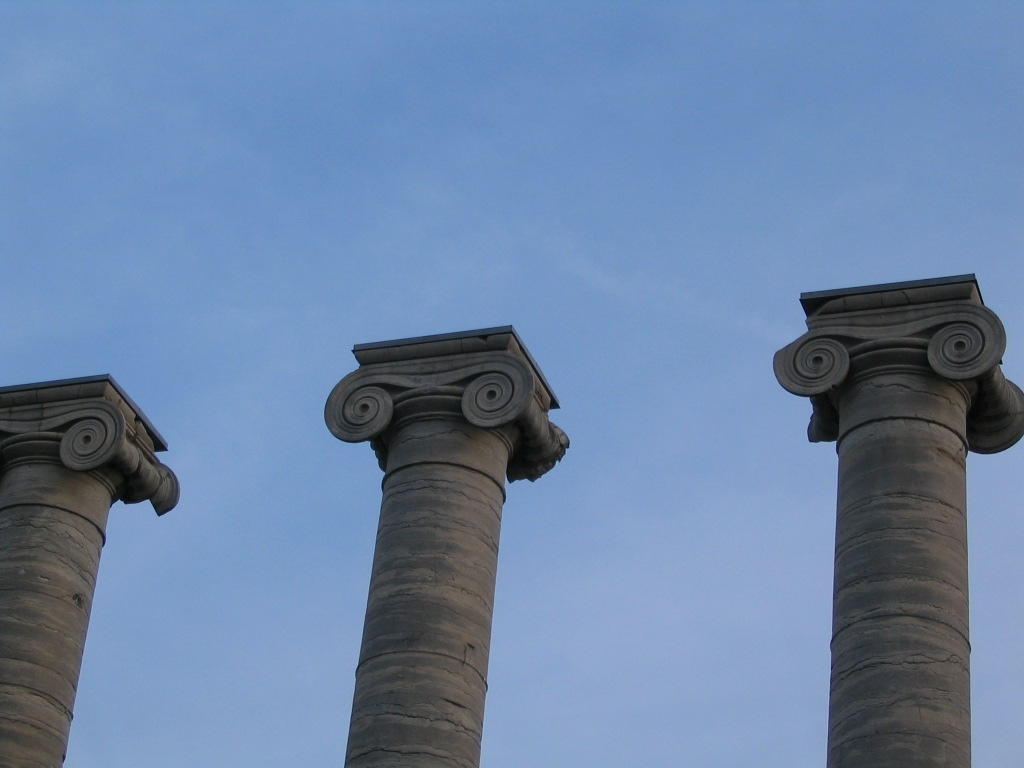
94, 435
961, 344
496, 390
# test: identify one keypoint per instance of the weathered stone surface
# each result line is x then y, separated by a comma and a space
449, 418
905, 377
68, 450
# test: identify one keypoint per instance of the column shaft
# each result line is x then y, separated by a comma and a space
52, 522
450, 417
906, 377
900, 684
421, 680
68, 450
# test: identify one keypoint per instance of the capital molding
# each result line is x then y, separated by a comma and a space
489, 370
97, 427
938, 327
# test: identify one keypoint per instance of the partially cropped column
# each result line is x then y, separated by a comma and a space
906, 378
449, 417
68, 450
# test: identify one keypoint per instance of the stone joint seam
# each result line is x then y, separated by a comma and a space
391, 475
845, 433
879, 617
390, 712
450, 759
885, 578
59, 508
55, 704
465, 662
911, 661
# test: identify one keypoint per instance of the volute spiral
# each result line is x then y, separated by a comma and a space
355, 413
967, 349
813, 366
92, 441
497, 397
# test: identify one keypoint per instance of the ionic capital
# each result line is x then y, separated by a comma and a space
97, 428
939, 327
489, 370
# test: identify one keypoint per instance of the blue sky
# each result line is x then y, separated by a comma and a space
214, 201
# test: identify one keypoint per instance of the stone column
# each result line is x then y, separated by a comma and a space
68, 450
906, 378
449, 417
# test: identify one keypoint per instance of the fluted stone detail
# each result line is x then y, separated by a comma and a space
449, 417
68, 450
906, 378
